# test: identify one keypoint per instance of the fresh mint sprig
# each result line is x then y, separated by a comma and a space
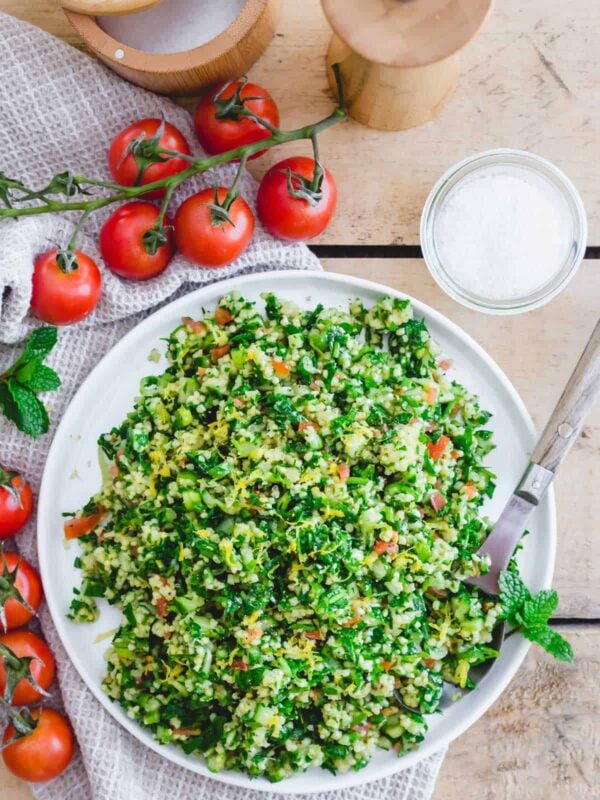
529, 614
25, 379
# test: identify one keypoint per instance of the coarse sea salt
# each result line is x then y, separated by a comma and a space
173, 26
503, 232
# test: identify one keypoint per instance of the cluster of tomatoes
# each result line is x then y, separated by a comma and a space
295, 201
38, 743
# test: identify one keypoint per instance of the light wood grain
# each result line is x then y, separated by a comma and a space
529, 80
538, 352
540, 741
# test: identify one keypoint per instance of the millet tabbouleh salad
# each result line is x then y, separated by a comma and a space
287, 519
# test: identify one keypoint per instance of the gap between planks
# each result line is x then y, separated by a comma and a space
401, 251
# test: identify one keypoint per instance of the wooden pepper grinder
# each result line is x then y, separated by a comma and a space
399, 58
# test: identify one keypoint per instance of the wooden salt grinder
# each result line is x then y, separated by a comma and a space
399, 58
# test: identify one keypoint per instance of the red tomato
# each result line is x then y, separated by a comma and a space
23, 581
45, 752
16, 503
219, 135
28, 645
81, 526
124, 168
436, 449
212, 243
294, 218
438, 501
343, 472
64, 296
122, 246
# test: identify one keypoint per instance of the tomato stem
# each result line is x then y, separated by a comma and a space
232, 192
17, 669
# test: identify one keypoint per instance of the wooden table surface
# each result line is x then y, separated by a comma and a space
531, 81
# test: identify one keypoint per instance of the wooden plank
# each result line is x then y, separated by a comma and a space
537, 351
529, 81
538, 741
12, 788
541, 739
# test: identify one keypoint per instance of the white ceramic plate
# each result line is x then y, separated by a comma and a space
107, 395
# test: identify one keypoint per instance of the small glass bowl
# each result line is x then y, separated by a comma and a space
503, 157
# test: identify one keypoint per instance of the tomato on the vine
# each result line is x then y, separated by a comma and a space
44, 752
153, 133
125, 241
66, 286
36, 668
19, 584
220, 122
288, 203
205, 235
16, 503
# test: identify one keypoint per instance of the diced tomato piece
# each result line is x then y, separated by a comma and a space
445, 363
439, 593
253, 635
343, 472
194, 326
218, 352
201, 372
161, 607
438, 501
314, 635
304, 426
363, 727
429, 662
354, 621
436, 449
470, 490
387, 665
430, 395
455, 454
222, 316
238, 663
281, 368
80, 526
385, 547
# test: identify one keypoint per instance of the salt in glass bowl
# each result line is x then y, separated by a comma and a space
542, 169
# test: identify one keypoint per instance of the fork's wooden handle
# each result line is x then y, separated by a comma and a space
94, 7
577, 400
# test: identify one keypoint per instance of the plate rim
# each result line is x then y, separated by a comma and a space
342, 780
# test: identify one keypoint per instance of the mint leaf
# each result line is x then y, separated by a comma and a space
540, 608
513, 596
32, 417
550, 640
24, 373
21, 382
40, 379
40, 343
8, 405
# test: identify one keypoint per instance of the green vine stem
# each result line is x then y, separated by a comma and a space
81, 184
